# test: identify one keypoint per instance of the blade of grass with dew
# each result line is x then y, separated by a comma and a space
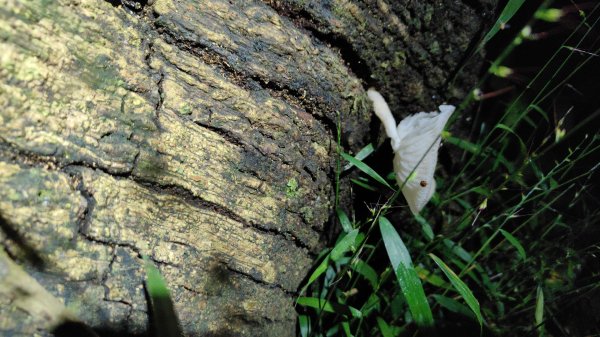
362, 154
366, 169
461, 287
164, 318
409, 281
515, 242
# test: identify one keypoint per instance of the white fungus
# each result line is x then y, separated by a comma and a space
415, 142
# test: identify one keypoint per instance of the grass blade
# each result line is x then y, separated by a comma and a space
406, 274
322, 268
304, 325
367, 272
343, 245
508, 12
513, 241
461, 287
164, 319
321, 304
366, 169
316, 303
453, 305
539, 309
385, 329
346, 328
362, 154
344, 221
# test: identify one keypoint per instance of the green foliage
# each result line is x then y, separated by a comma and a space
500, 245
461, 287
407, 275
508, 12
164, 321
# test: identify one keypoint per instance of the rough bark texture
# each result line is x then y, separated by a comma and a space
201, 134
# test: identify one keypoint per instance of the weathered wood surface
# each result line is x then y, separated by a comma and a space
199, 133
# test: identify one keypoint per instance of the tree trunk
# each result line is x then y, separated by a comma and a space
201, 134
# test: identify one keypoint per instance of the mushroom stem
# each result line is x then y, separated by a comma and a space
382, 110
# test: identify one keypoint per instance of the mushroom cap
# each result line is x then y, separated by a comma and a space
416, 156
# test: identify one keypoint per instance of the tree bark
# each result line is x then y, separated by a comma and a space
201, 134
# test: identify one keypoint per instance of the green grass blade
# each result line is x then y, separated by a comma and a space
453, 305
164, 319
156, 285
513, 241
363, 185
324, 305
322, 268
406, 274
366, 169
385, 329
425, 227
316, 303
362, 154
461, 287
508, 12
346, 328
344, 221
367, 272
343, 245
539, 308
304, 325
463, 144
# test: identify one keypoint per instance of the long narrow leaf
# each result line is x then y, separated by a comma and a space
409, 281
365, 168
367, 272
508, 12
539, 308
322, 268
461, 287
304, 325
164, 319
453, 305
344, 245
385, 329
513, 241
321, 304
362, 154
344, 221
316, 303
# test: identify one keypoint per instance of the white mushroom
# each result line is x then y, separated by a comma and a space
415, 142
